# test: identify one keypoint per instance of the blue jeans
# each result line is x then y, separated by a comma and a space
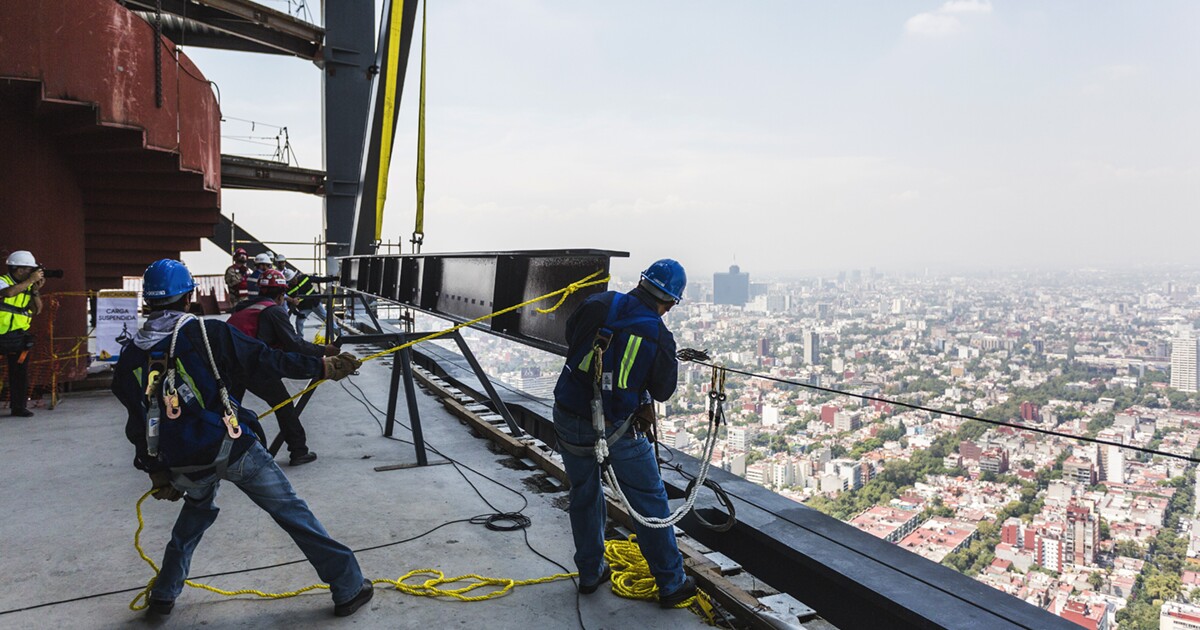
257, 475
632, 459
320, 311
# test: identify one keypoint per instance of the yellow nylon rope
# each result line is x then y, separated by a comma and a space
631, 577
565, 291
432, 587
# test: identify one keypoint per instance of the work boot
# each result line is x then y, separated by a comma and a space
300, 460
160, 607
22, 413
682, 594
588, 589
345, 609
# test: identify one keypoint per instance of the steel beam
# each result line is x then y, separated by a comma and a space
255, 174
224, 235
464, 286
235, 25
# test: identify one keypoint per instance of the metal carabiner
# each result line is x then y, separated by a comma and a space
231, 425
171, 405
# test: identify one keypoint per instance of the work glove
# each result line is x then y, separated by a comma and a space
644, 421
161, 481
341, 366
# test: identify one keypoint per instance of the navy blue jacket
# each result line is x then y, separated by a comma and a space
574, 394
237, 357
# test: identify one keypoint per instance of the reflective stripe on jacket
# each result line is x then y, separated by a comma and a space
627, 364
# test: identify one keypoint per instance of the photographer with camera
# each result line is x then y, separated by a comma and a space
19, 301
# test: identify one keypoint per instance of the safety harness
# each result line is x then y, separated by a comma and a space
163, 402
716, 416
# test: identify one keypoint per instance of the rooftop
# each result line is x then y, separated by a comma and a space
68, 529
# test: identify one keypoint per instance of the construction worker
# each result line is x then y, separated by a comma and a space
236, 275
262, 262
621, 357
302, 296
281, 265
189, 434
266, 319
20, 300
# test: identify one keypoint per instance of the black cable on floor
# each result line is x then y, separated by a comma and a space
498, 520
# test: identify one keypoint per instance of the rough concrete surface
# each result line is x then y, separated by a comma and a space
67, 523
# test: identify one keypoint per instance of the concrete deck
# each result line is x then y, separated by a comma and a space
68, 521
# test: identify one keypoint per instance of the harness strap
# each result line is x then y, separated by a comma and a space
9, 308
220, 463
590, 451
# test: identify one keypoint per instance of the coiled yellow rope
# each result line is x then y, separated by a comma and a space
631, 577
432, 587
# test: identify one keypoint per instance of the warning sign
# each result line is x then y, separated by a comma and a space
116, 322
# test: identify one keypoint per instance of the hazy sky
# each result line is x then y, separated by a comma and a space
791, 135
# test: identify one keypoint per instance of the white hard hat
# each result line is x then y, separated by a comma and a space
280, 258
262, 259
21, 258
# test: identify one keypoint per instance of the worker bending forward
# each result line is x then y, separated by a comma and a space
638, 364
189, 434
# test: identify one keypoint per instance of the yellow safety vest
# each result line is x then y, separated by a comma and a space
14, 311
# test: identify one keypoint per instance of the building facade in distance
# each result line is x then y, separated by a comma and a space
731, 288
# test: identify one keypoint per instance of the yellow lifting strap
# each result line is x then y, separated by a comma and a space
419, 229
565, 292
390, 75
434, 586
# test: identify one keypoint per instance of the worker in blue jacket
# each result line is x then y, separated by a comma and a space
189, 434
621, 338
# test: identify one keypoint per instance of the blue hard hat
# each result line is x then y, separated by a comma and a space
166, 278
667, 276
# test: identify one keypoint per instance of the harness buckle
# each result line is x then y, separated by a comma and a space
603, 339
171, 402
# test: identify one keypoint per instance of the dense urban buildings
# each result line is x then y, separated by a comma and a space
1095, 532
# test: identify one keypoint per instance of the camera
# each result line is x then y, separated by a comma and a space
51, 273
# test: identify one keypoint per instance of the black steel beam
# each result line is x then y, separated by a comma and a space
852, 579
236, 25
464, 286
224, 235
255, 174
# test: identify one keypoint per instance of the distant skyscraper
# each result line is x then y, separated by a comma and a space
1183, 363
812, 347
1112, 463
731, 288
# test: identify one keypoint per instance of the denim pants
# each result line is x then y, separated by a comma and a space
632, 460
320, 311
257, 475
